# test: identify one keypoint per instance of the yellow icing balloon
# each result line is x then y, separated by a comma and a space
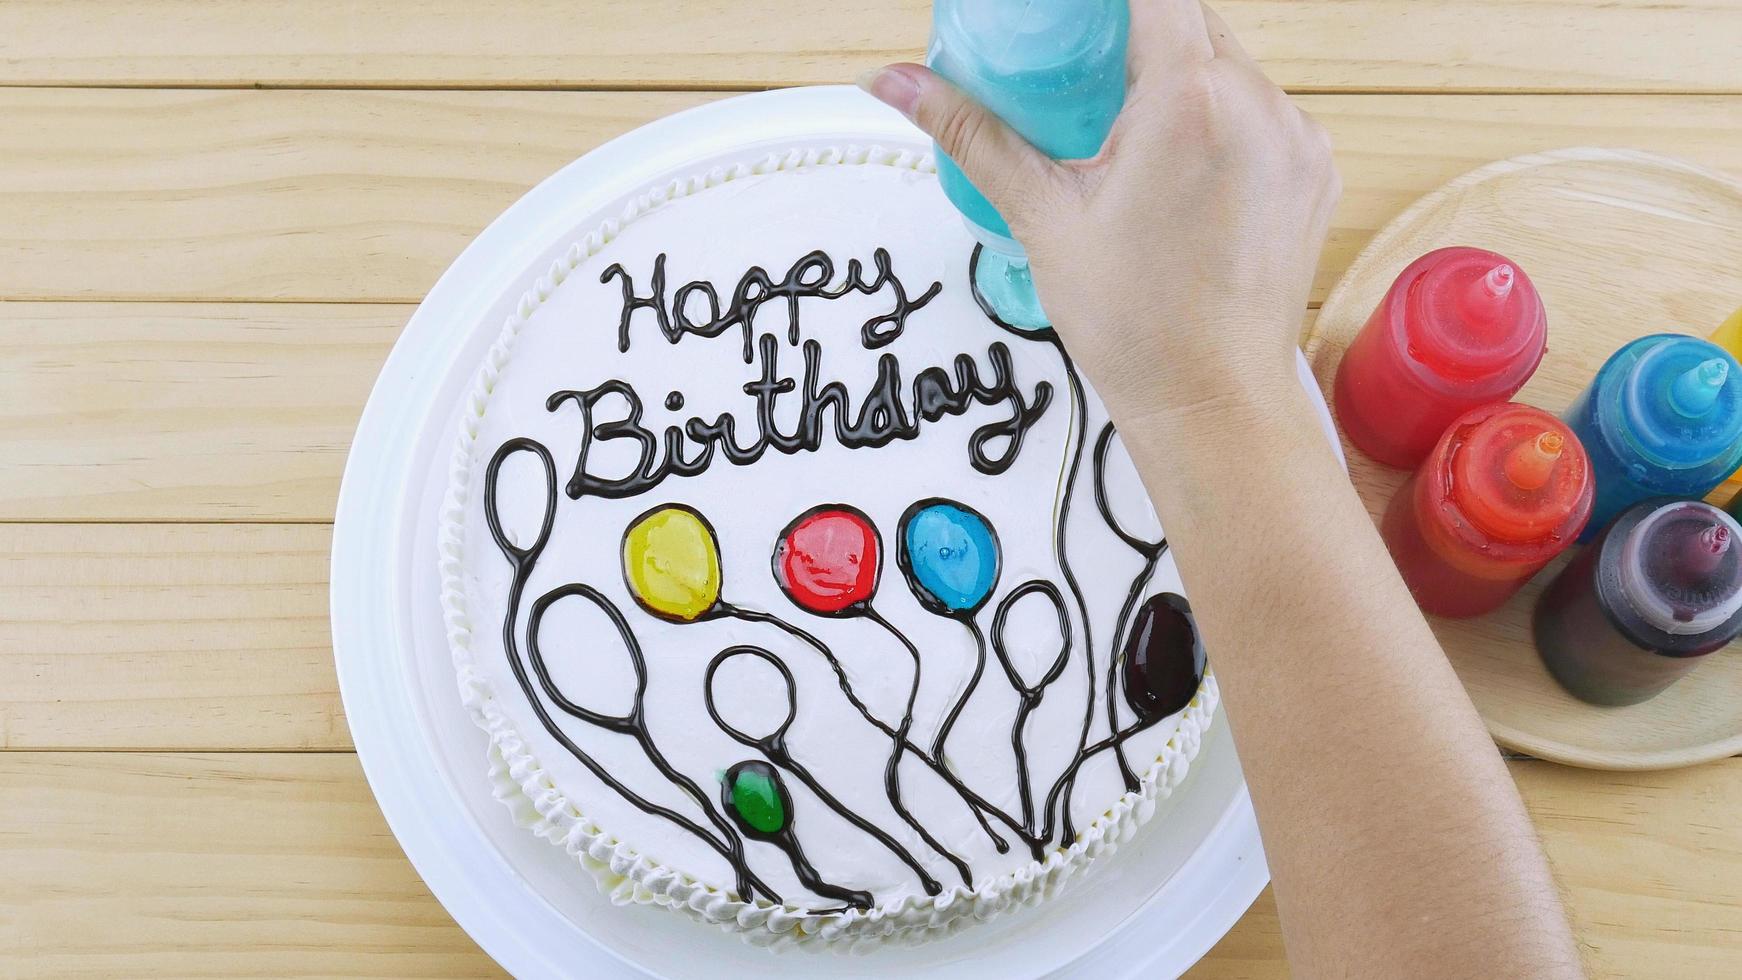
672, 563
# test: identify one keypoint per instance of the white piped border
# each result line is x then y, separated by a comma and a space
627, 878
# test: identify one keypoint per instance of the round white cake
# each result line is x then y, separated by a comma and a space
795, 591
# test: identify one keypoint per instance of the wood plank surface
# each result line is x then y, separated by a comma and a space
1252, 950
191, 195
243, 864
159, 195
206, 410
177, 636
236, 865
1582, 45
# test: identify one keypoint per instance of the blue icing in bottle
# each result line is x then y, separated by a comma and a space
1052, 69
1662, 418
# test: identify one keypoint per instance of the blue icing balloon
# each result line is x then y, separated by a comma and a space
950, 555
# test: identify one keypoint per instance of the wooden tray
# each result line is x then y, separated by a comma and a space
1620, 244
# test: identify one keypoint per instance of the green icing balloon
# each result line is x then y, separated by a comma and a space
757, 800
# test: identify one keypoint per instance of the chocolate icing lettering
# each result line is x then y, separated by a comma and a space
883, 417
809, 277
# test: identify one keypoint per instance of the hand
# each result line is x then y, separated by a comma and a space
1175, 264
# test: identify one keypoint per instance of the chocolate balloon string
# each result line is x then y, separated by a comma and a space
892, 772
1079, 423
1113, 741
1164, 669
1029, 694
523, 560
1120, 738
777, 813
1151, 553
950, 555
1104, 502
967, 620
775, 748
976, 804
1080, 437
1114, 657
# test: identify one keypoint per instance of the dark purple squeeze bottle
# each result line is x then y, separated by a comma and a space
1661, 588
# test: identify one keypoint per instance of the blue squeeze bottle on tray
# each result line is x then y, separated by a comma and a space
1662, 419
1054, 70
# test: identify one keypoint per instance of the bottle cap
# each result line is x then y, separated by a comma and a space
1518, 474
1680, 403
1474, 315
1681, 568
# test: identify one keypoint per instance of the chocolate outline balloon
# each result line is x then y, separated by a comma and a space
904, 560
737, 734
1104, 445
780, 540
1030, 695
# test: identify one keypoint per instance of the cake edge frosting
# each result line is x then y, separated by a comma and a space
628, 878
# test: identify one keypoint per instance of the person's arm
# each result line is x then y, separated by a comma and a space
1176, 266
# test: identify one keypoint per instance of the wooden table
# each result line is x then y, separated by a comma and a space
214, 219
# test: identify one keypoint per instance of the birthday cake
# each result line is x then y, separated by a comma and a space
794, 591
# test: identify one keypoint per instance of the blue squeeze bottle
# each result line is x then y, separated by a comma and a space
1662, 418
1054, 70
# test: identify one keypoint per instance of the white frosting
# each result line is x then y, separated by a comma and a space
563, 336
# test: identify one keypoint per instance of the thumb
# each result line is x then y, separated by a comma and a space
1003, 166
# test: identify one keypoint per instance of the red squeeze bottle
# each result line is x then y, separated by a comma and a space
1461, 327
1504, 491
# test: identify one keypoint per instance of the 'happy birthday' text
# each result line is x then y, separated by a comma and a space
889, 411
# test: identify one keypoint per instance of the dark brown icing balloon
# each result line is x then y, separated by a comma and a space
1164, 658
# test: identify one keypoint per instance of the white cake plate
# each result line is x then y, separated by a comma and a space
1173, 892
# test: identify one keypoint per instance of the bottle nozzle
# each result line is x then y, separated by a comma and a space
1531, 463
1695, 392
1715, 540
1702, 555
1485, 297
1497, 284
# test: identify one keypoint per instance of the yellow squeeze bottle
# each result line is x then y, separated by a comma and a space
1729, 337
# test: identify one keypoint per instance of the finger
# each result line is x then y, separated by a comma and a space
1165, 31
1003, 166
1222, 39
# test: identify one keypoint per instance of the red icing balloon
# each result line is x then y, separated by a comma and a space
827, 560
